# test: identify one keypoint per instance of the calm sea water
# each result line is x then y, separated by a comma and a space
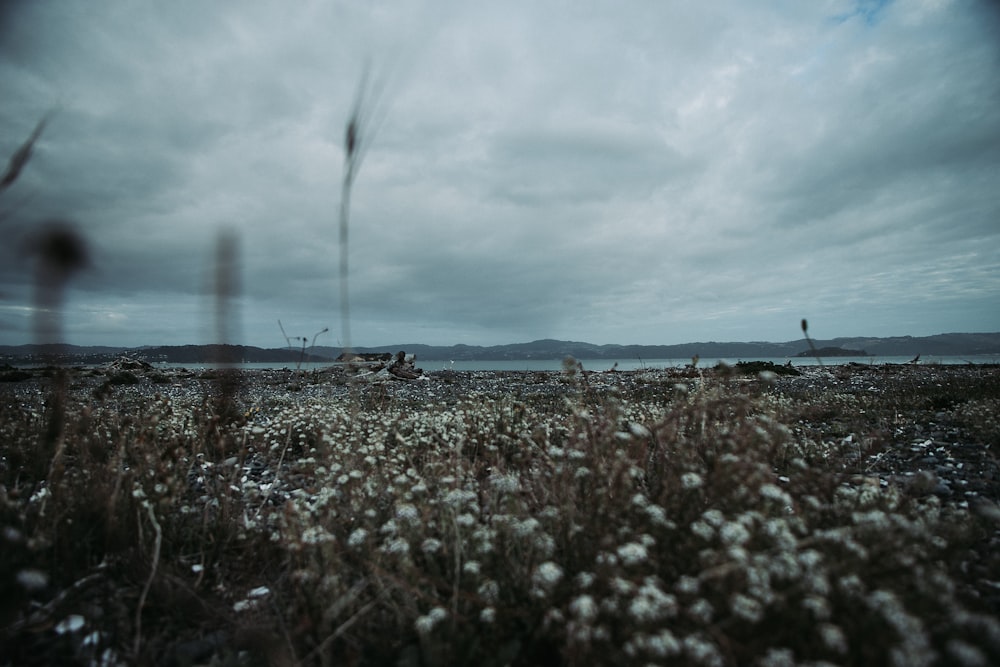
630, 364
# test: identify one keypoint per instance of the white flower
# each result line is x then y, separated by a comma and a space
691, 480
430, 545
713, 517
658, 516
746, 607
663, 644
778, 657
702, 610
686, 584
71, 623
652, 604
584, 608
632, 553
638, 430
833, 637
32, 580
489, 591
966, 654
317, 535
775, 493
622, 586
459, 497
505, 483
703, 652
424, 624
397, 546
357, 538
526, 527
547, 575
702, 530
408, 513
734, 533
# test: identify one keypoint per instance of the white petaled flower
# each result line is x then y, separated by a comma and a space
488, 615
317, 535
658, 516
702, 530
424, 624
778, 657
547, 575
702, 651
72, 623
489, 591
622, 586
408, 513
632, 553
357, 538
702, 610
713, 517
745, 607
965, 654
505, 483
775, 493
584, 608
652, 604
526, 527
32, 580
817, 606
638, 430
833, 637
734, 534
459, 497
687, 584
397, 546
691, 480
471, 567
663, 644
545, 544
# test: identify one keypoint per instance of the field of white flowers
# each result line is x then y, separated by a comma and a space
669, 517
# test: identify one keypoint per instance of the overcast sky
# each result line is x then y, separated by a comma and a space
603, 171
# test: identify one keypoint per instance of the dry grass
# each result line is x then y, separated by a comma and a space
694, 520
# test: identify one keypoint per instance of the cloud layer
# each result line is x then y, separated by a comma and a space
586, 171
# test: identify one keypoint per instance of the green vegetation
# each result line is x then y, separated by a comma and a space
670, 517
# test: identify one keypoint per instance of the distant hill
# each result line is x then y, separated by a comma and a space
832, 352
172, 354
951, 344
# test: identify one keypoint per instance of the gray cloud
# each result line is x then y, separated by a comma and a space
592, 171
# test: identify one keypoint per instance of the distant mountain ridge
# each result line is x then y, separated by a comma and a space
949, 344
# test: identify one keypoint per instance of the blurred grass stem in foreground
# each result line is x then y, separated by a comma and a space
357, 137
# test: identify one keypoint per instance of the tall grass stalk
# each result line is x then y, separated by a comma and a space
357, 137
